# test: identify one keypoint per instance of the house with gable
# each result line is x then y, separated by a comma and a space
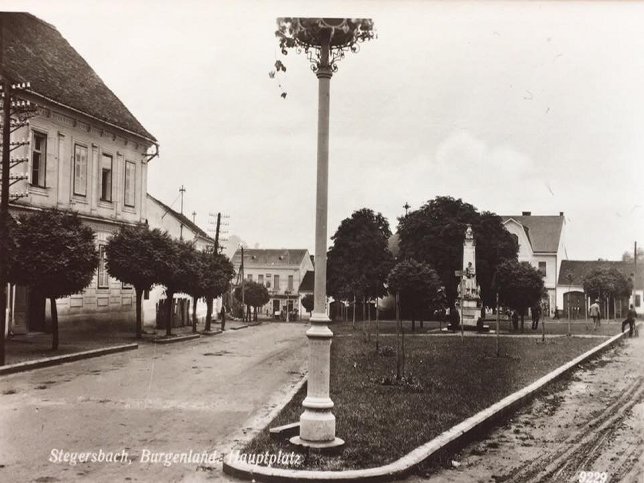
86, 152
286, 273
542, 244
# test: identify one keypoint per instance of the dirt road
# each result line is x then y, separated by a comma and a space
191, 396
594, 422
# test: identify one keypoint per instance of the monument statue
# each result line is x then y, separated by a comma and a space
469, 290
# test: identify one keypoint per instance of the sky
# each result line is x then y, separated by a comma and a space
510, 106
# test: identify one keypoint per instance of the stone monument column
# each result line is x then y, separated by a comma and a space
471, 293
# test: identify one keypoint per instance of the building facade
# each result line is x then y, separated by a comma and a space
161, 216
542, 244
282, 271
85, 153
572, 299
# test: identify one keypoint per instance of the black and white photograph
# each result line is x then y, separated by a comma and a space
322, 241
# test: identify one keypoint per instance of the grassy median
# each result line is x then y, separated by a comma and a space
452, 379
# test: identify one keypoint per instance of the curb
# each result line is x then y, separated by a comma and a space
240, 327
454, 437
179, 338
55, 360
211, 333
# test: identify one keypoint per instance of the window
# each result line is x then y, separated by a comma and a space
542, 268
130, 190
38, 159
290, 282
516, 239
276, 282
80, 170
260, 279
638, 300
106, 178
250, 277
103, 277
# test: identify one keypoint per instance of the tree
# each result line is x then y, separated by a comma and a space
607, 282
255, 295
173, 273
520, 286
132, 258
218, 272
308, 302
192, 262
434, 234
416, 286
359, 260
55, 256
628, 256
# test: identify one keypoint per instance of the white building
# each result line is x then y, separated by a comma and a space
542, 244
86, 153
282, 271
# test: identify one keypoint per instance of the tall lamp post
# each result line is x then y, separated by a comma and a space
325, 41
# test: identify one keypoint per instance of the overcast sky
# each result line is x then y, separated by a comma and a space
511, 106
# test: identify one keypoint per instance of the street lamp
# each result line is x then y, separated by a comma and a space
325, 42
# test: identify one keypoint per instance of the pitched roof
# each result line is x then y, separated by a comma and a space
281, 257
580, 268
36, 52
183, 219
544, 232
308, 282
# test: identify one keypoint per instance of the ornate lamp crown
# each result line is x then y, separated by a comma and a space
311, 35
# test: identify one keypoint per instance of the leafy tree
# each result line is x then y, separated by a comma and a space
218, 272
55, 256
434, 234
520, 286
132, 258
255, 295
308, 302
173, 273
607, 282
194, 278
359, 260
628, 256
416, 286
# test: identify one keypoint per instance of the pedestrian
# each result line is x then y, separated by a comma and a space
223, 317
631, 315
515, 320
556, 315
595, 313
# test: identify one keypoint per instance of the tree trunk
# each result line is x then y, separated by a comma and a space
377, 325
398, 345
369, 322
413, 324
194, 315
421, 322
364, 321
139, 301
353, 324
402, 332
522, 321
208, 313
168, 321
54, 324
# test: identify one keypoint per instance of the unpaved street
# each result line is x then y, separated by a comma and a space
194, 395
593, 422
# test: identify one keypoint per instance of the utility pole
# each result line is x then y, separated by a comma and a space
406, 207
182, 190
4, 209
217, 237
634, 271
243, 276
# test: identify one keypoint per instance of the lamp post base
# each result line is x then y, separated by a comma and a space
332, 446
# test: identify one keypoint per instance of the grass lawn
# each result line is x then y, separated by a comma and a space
560, 327
380, 423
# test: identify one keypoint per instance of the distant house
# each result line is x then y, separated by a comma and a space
86, 153
282, 271
541, 243
571, 293
178, 226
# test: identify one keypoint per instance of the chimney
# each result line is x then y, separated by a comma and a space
526, 213
561, 213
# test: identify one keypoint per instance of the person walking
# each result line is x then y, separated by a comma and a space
631, 315
595, 313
